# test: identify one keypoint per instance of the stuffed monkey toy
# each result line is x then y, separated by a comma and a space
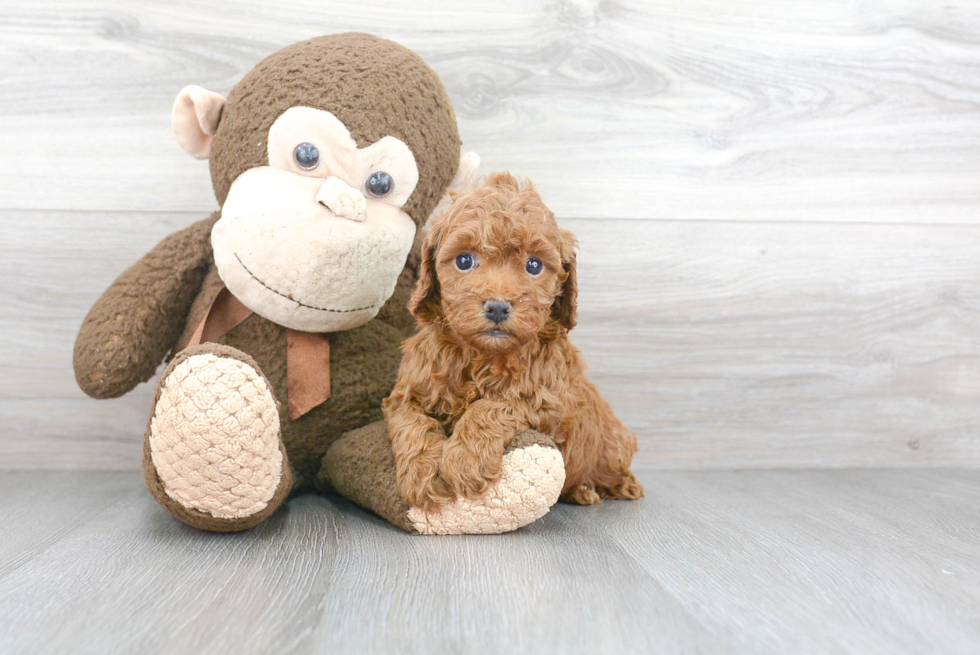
282, 314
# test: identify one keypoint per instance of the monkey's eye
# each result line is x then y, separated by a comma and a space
533, 266
465, 261
379, 184
307, 156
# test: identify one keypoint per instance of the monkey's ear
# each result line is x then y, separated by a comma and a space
426, 300
565, 308
195, 118
469, 163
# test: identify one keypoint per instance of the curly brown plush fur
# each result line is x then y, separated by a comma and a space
468, 384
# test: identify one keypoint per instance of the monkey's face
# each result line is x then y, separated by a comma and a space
316, 240
325, 158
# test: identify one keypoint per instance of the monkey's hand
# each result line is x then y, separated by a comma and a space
473, 456
139, 318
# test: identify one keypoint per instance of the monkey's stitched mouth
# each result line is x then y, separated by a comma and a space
496, 334
291, 299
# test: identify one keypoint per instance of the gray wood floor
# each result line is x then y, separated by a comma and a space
847, 561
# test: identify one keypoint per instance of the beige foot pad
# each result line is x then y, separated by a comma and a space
532, 480
214, 437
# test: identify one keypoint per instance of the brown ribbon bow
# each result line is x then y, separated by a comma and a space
307, 354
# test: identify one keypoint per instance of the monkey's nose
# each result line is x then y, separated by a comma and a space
497, 311
342, 199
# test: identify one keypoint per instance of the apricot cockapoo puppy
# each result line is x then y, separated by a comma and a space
495, 300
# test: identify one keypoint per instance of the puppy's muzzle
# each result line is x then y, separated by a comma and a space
497, 311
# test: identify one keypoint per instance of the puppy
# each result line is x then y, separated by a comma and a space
495, 300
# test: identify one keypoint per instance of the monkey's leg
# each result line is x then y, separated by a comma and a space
361, 467
213, 455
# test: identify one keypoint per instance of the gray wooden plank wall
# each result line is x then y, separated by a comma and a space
777, 203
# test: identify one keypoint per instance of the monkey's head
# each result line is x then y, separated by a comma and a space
326, 158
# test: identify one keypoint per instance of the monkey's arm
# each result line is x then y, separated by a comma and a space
136, 322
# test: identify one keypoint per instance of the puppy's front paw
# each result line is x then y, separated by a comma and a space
582, 494
628, 488
469, 473
532, 476
421, 486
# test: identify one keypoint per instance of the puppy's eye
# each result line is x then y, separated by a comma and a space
307, 156
379, 184
465, 261
533, 266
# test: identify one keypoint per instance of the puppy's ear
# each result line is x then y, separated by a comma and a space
565, 308
425, 301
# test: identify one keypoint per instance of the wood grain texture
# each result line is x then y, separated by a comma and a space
753, 345
744, 109
711, 562
826, 316
722, 344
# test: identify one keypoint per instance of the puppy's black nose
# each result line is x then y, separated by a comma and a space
496, 310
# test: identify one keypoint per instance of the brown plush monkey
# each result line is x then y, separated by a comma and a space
282, 313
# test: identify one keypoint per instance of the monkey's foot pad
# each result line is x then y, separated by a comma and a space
533, 476
214, 437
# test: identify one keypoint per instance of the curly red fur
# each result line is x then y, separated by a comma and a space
467, 384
